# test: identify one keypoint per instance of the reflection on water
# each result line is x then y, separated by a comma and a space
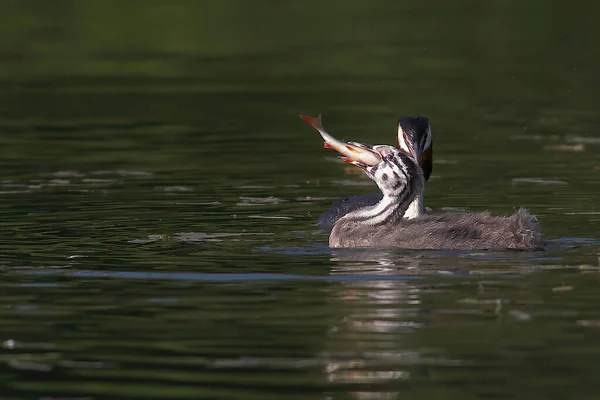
366, 332
370, 343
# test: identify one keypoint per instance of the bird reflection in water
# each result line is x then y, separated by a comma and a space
371, 339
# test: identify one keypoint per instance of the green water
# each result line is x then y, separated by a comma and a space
158, 194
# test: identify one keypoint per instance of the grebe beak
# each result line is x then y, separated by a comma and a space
424, 159
414, 140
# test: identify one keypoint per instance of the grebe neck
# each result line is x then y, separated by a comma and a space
416, 208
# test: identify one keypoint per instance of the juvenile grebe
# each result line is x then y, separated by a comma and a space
401, 180
415, 140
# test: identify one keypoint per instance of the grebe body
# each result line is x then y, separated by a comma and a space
400, 179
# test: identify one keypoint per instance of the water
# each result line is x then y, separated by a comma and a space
158, 195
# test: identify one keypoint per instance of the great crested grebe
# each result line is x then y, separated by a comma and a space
415, 140
401, 180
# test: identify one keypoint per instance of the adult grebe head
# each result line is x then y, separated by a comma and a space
415, 140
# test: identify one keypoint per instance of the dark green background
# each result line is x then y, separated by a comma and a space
158, 194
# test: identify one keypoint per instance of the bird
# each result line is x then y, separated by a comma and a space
414, 139
401, 180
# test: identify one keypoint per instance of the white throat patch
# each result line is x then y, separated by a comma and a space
401, 141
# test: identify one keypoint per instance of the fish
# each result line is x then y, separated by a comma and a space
352, 151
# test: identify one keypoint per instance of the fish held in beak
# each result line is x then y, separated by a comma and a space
353, 152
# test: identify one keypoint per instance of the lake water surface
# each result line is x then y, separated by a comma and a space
158, 194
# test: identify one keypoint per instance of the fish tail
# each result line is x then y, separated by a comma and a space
314, 122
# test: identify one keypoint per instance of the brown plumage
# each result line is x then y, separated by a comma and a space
400, 180
447, 230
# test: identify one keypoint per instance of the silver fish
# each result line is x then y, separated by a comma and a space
352, 151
